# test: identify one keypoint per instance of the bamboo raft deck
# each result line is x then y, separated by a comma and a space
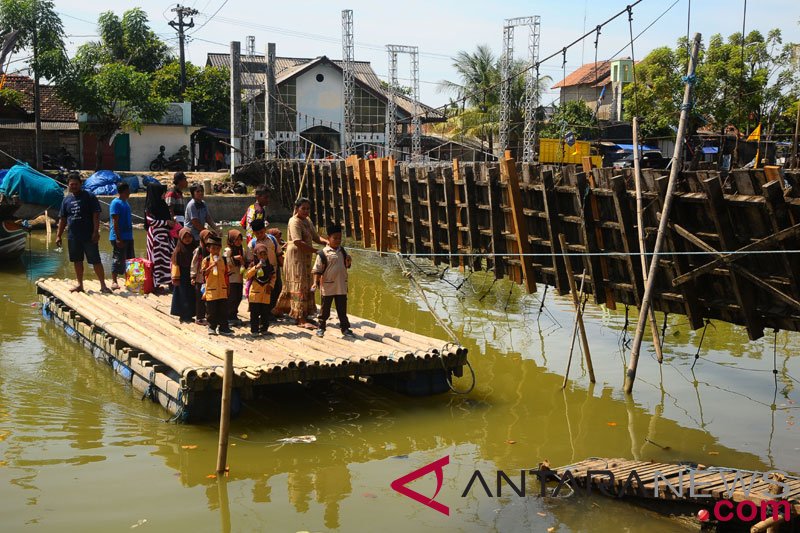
181, 367
674, 483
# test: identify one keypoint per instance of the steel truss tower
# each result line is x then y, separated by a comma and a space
391, 108
348, 47
531, 84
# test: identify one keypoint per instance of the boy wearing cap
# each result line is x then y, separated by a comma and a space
216, 288
262, 275
330, 276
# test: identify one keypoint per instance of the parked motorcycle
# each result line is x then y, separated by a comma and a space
177, 161
62, 159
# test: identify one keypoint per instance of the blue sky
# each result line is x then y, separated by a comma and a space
441, 28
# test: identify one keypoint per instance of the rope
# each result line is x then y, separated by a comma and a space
702, 336
619, 255
453, 337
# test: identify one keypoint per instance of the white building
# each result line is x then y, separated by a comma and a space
311, 106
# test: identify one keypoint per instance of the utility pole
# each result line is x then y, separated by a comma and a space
236, 104
37, 99
270, 96
180, 26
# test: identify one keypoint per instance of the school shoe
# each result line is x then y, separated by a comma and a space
227, 332
348, 333
211, 331
266, 333
320, 332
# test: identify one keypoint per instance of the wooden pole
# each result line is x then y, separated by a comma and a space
637, 180
630, 376
578, 320
795, 159
225, 413
577, 301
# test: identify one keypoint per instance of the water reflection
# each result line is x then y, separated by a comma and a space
60, 408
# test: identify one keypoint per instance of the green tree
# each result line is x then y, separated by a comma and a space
42, 33
740, 82
208, 89
574, 116
111, 80
478, 89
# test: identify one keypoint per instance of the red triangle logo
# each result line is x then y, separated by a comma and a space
437, 466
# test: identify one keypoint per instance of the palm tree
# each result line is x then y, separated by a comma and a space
479, 94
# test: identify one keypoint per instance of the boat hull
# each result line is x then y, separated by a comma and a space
12, 240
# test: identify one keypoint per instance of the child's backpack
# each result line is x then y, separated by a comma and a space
324, 258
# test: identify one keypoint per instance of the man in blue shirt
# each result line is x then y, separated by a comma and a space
80, 211
121, 234
197, 215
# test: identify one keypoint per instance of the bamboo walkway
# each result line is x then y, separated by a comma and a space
181, 367
683, 483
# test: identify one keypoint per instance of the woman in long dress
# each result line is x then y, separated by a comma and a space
296, 297
160, 244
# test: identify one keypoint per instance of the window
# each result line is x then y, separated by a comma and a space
370, 112
320, 78
286, 107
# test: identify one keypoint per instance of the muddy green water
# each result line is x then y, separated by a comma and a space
79, 450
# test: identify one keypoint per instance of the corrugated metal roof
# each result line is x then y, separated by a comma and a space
254, 74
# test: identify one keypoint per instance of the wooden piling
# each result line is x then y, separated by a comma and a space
633, 363
509, 168
578, 320
225, 413
637, 180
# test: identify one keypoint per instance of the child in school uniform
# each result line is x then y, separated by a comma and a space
197, 277
183, 293
330, 277
262, 277
216, 288
237, 257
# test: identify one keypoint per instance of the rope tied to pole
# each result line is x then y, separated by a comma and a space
453, 337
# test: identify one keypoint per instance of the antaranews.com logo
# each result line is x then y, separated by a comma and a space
686, 485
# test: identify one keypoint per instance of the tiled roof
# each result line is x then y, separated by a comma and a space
588, 75
254, 73
52, 108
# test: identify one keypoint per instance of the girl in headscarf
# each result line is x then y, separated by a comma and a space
296, 297
160, 244
183, 297
237, 257
198, 278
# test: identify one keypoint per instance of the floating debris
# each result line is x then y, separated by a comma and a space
301, 439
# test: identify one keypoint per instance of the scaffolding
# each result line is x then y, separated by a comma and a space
391, 108
531, 85
348, 81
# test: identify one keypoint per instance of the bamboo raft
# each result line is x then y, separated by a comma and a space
181, 367
672, 488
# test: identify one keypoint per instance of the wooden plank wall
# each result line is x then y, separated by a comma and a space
505, 218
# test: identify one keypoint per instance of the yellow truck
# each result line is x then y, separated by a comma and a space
556, 151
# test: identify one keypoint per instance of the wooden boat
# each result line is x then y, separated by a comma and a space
12, 234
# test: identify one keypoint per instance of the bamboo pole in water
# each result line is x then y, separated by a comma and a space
225, 413
637, 180
575, 331
577, 301
630, 376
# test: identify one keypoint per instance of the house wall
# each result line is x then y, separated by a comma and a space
321, 100
585, 93
144, 145
21, 143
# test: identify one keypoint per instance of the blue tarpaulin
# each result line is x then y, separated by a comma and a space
643, 148
102, 182
31, 186
710, 150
